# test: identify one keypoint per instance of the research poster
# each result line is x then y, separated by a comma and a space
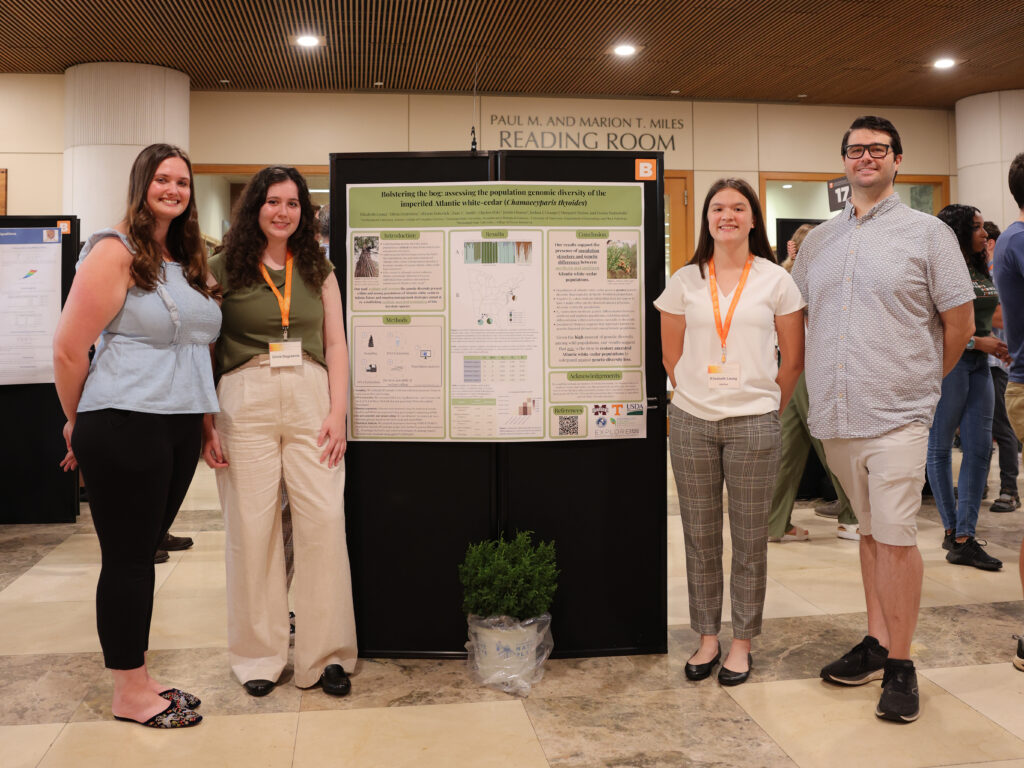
30, 263
496, 311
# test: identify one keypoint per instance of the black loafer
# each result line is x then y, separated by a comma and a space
161, 556
702, 671
335, 681
173, 543
727, 676
258, 687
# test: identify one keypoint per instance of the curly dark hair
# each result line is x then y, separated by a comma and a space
244, 243
183, 239
758, 237
960, 218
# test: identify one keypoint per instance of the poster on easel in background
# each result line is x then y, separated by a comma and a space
496, 311
30, 301
37, 266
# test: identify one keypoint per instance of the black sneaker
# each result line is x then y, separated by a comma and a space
971, 553
1018, 660
900, 701
862, 664
1008, 501
947, 540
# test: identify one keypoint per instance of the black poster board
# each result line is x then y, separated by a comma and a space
604, 502
35, 489
412, 508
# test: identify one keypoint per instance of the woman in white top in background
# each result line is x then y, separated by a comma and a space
721, 316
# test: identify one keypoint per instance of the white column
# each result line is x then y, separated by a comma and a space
989, 134
112, 111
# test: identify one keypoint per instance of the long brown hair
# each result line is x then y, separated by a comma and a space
184, 242
758, 237
245, 242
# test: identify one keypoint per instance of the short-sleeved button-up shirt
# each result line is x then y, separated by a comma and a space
874, 288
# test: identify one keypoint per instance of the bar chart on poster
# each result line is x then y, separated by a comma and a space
496, 311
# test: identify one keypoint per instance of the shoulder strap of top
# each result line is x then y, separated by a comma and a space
95, 237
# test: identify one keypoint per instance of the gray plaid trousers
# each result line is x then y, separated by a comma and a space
742, 451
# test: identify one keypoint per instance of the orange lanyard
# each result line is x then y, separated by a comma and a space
723, 331
284, 302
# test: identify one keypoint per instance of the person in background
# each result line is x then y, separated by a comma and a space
720, 315
282, 365
966, 403
135, 413
1009, 280
1002, 433
888, 314
323, 221
797, 441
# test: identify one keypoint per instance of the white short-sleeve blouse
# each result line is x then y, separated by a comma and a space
769, 291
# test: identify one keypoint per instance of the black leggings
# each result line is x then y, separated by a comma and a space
137, 468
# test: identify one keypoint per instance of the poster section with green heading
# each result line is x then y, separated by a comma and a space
496, 311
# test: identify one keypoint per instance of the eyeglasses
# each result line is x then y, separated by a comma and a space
856, 151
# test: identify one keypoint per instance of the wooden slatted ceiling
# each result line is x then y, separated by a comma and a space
835, 51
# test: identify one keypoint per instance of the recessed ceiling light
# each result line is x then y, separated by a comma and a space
676, 91
624, 50
225, 82
944, 63
378, 84
787, 186
307, 41
801, 95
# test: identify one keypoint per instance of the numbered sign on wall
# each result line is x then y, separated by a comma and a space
838, 193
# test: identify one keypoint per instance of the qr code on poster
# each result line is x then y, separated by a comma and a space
568, 425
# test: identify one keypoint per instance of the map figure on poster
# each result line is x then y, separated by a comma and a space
493, 298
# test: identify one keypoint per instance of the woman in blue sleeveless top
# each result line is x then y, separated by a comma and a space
135, 413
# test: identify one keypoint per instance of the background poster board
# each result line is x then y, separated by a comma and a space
496, 311
36, 490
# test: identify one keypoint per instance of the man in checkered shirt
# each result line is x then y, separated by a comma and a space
889, 314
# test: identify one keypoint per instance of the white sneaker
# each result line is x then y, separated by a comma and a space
850, 532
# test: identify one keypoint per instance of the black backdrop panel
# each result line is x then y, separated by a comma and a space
602, 501
35, 489
411, 508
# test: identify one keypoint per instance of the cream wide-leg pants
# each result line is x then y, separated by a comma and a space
268, 425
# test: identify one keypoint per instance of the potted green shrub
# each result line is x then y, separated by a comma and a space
508, 586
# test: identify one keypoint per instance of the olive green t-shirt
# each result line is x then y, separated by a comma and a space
252, 318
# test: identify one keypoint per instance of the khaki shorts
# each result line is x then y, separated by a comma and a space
1015, 407
883, 477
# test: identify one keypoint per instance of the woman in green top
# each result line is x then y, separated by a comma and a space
282, 365
966, 402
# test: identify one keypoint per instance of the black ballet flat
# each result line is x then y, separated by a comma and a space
727, 676
702, 671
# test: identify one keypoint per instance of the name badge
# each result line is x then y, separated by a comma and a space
285, 353
724, 376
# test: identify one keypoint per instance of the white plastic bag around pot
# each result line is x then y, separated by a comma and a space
509, 655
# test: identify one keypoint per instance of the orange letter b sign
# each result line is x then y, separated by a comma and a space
646, 170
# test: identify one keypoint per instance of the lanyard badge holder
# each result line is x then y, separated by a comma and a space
286, 352
723, 374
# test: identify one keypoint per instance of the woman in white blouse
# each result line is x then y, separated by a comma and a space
721, 318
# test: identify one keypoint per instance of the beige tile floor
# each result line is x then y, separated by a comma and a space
613, 712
